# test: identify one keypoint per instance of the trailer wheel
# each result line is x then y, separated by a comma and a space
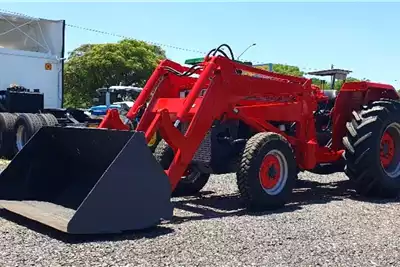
188, 185
7, 134
267, 173
372, 149
48, 119
25, 127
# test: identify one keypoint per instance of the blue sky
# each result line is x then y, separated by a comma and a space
362, 37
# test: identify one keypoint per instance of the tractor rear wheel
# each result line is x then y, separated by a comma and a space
372, 149
190, 184
267, 172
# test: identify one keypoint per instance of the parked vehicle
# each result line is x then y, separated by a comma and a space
118, 96
125, 97
31, 81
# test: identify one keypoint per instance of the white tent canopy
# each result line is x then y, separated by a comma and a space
31, 55
31, 34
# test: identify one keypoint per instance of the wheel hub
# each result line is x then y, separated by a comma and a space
387, 149
273, 172
389, 157
20, 137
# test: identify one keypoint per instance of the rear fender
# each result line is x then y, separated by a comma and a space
351, 97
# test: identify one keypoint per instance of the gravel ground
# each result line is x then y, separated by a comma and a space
324, 225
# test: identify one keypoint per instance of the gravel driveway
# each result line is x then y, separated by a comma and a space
324, 225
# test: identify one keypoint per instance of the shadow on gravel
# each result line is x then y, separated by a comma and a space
208, 205
219, 206
338, 191
79, 239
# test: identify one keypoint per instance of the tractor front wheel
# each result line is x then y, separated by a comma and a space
372, 149
191, 183
267, 172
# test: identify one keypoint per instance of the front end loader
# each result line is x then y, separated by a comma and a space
217, 116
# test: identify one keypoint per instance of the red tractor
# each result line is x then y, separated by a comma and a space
264, 126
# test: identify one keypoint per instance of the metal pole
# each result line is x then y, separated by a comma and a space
245, 50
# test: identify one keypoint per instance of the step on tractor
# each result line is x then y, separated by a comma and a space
216, 116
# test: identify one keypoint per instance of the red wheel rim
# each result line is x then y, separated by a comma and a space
389, 153
387, 149
274, 172
270, 172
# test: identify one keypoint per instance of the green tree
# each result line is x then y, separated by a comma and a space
285, 69
295, 71
339, 83
288, 70
92, 66
320, 83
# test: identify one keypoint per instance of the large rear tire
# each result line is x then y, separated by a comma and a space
7, 135
188, 185
26, 126
48, 119
372, 149
267, 173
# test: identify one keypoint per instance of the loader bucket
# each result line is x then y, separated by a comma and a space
87, 181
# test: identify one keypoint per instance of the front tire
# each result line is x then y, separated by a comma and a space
188, 185
267, 173
372, 149
7, 135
